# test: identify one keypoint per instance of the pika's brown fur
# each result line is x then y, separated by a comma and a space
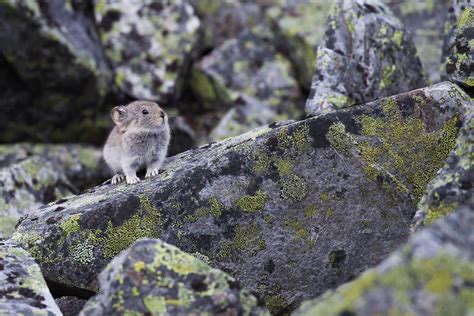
139, 140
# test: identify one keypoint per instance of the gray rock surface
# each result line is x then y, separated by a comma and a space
461, 61
32, 175
298, 27
288, 210
55, 53
149, 44
367, 54
454, 183
425, 19
155, 278
431, 275
70, 305
23, 290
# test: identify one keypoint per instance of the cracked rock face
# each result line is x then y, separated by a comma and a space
152, 277
149, 45
289, 210
54, 53
460, 63
22, 287
431, 275
349, 70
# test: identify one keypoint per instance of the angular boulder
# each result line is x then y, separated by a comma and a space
23, 290
70, 305
288, 210
298, 27
367, 54
32, 175
454, 183
149, 44
460, 63
53, 49
431, 275
154, 278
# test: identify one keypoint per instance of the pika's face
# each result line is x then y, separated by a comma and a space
140, 114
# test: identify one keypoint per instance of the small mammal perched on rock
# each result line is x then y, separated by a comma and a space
139, 139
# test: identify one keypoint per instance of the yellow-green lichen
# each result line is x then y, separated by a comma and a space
156, 305
441, 211
310, 211
250, 204
405, 148
299, 230
71, 225
244, 237
339, 139
294, 188
214, 210
284, 167
262, 163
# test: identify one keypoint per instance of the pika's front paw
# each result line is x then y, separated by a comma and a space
133, 179
152, 173
117, 178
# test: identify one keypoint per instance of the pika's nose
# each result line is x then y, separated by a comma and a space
162, 114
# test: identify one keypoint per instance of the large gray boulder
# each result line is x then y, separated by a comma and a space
289, 210
367, 54
431, 275
33, 175
149, 44
454, 183
155, 278
54, 52
460, 63
23, 290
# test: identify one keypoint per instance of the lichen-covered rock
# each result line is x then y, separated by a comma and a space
70, 305
367, 54
289, 210
454, 183
450, 30
155, 278
431, 275
23, 290
223, 20
32, 175
244, 68
298, 26
149, 44
52, 47
461, 61
425, 20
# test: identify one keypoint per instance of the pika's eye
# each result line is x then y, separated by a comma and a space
145, 112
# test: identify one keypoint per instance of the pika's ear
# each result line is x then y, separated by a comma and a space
119, 114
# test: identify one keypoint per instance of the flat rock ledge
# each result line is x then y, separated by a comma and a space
289, 210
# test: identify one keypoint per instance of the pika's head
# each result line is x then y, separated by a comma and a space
139, 114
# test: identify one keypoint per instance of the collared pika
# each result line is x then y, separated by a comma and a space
139, 140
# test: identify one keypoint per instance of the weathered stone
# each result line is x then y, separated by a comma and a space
149, 44
52, 47
32, 175
70, 305
461, 61
288, 210
454, 183
247, 68
367, 54
450, 30
223, 20
155, 278
431, 275
23, 290
298, 26
424, 19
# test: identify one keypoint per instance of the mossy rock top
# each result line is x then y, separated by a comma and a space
267, 205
